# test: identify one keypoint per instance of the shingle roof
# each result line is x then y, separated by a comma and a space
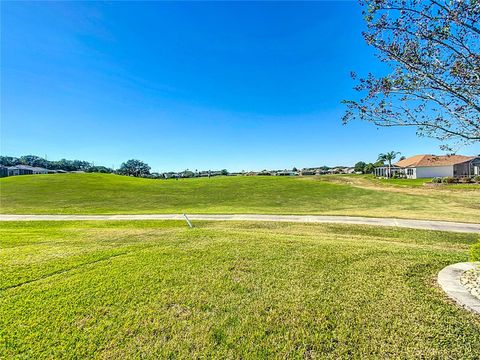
433, 160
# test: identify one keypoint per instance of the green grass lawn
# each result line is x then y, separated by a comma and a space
229, 290
348, 195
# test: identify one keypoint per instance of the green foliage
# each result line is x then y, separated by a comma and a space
224, 172
449, 180
134, 168
432, 48
9, 161
437, 180
465, 180
388, 157
360, 167
475, 252
477, 179
99, 169
369, 168
63, 164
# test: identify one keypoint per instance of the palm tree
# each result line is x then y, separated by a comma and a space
389, 156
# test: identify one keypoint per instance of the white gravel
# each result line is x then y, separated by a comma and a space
470, 279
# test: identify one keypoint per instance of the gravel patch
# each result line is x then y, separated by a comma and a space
470, 279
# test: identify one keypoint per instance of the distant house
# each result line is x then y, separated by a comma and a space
286, 173
265, 173
337, 170
3, 171
308, 171
57, 171
25, 170
313, 171
428, 166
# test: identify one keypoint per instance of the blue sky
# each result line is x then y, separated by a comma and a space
189, 85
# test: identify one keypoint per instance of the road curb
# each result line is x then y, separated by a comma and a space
449, 281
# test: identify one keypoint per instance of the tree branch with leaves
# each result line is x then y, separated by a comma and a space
433, 50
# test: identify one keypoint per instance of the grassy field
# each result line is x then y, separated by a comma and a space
332, 195
229, 290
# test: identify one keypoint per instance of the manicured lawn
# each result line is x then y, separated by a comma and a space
110, 194
229, 290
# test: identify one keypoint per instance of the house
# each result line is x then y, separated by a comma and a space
428, 166
3, 171
308, 171
313, 171
25, 170
337, 170
265, 173
286, 173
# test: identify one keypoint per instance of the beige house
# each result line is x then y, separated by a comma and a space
429, 166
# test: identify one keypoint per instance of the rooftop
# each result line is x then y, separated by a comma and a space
433, 160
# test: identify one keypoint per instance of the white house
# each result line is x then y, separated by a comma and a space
428, 166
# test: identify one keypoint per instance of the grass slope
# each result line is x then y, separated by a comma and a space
111, 194
229, 290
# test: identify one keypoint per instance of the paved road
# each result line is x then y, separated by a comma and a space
415, 224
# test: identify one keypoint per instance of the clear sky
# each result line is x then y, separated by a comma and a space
189, 85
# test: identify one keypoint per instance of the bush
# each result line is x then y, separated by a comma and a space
477, 179
475, 252
449, 180
437, 180
465, 180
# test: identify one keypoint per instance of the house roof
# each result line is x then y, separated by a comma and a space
27, 167
433, 160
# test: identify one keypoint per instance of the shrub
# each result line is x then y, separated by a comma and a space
449, 180
437, 180
465, 180
475, 252
477, 179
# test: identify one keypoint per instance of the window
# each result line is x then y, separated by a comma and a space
409, 172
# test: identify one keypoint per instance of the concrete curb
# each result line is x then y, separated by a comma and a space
405, 223
449, 281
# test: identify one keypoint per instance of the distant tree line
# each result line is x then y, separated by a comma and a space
138, 168
131, 167
63, 164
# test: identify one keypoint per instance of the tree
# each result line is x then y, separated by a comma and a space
99, 169
433, 49
33, 160
360, 166
369, 168
294, 169
9, 161
224, 172
388, 157
134, 168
